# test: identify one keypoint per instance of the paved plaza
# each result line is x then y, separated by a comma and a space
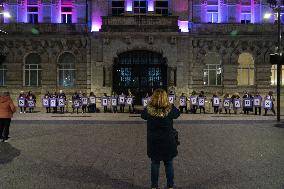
108, 151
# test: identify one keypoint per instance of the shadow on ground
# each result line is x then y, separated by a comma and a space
7, 153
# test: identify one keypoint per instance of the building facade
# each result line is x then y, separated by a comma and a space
114, 45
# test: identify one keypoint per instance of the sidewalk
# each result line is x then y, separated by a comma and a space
135, 117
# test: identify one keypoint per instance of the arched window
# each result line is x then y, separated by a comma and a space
274, 75
213, 70
66, 70
32, 70
245, 69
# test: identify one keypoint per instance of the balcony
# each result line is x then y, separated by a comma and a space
140, 23
234, 29
14, 28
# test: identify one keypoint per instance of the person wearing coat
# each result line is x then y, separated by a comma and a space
161, 137
7, 109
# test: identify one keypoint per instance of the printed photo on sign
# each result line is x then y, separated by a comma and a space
247, 103
53, 102
237, 104
76, 103
92, 100
31, 103
182, 102
201, 101
145, 102
114, 102
216, 101
193, 100
84, 101
256, 102
21, 102
226, 103
171, 99
45, 102
121, 99
105, 102
129, 101
61, 102
268, 104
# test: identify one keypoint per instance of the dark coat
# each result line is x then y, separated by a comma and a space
161, 142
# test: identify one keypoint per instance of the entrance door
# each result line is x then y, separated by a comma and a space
141, 72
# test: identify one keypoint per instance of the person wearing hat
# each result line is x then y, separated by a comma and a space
7, 109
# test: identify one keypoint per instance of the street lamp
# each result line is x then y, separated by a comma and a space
277, 59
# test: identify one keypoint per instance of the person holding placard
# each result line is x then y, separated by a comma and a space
269, 103
114, 100
31, 101
84, 100
193, 102
7, 109
245, 99
216, 103
182, 103
146, 100
76, 102
45, 102
104, 102
130, 101
236, 102
92, 103
227, 103
201, 101
121, 102
62, 101
22, 102
257, 99
55, 96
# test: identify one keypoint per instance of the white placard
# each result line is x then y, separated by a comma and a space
114, 102
145, 102
237, 104
121, 99
171, 99
45, 102
247, 103
76, 103
267, 103
21, 102
31, 103
193, 100
104, 103
92, 99
85, 101
216, 101
53, 102
226, 103
256, 102
61, 102
129, 100
182, 101
201, 101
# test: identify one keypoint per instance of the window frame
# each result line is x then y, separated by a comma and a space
246, 68
29, 69
3, 70
117, 9
65, 14
139, 7
161, 8
274, 73
63, 67
207, 70
32, 16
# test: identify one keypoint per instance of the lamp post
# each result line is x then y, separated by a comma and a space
277, 8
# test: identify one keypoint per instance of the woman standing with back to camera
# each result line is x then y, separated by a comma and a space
161, 137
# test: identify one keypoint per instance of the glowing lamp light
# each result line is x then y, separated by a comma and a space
150, 5
7, 14
183, 26
267, 15
96, 27
129, 5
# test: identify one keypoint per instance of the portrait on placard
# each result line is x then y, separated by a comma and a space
227, 103
129, 100
171, 99
114, 101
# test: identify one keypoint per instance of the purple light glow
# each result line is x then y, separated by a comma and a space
96, 24
151, 5
183, 26
129, 5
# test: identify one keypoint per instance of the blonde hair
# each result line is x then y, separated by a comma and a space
160, 99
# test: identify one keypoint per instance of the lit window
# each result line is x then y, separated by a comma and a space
245, 18
212, 75
117, 8
66, 70
1, 14
246, 70
274, 75
32, 70
162, 7
32, 14
66, 15
212, 17
140, 6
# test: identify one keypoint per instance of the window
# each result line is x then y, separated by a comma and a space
212, 17
3, 75
274, 75
66, 70
1, 14
32, 14
32, 70
245, 18
140, 7
245, 69
162, 7
213, 74
117, 8
66, 15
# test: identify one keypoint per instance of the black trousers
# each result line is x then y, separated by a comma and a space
202, 108
181, 109
255, 110
216, 109
47, 109
121, 108
4, 127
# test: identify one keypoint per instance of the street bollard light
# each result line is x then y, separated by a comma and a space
277, 59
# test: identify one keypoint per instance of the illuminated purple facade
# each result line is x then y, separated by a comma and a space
221, 45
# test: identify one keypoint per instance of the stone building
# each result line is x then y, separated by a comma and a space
115, 45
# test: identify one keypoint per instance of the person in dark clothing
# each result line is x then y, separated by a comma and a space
161, 136
245, 109
257, 95
62, 96
202, 95
55, 96
7, 109
92, 103
47, 96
